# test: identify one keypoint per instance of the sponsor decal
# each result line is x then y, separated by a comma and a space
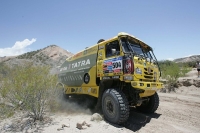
76, 64
100, 54
81, 63
113, 65
101, 47
86, 78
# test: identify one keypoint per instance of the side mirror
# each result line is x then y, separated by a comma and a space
113, 51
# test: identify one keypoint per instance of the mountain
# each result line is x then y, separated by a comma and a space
192, 58
51, 55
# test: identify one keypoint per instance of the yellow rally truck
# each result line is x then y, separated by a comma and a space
119, 73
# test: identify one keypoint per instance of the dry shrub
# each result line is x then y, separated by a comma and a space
28, 87
171, 71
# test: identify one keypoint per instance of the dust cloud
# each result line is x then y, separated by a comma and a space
75, 104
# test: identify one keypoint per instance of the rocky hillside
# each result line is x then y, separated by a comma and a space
192, 58
51, 55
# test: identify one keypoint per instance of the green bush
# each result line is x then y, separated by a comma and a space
28, 87
171, 71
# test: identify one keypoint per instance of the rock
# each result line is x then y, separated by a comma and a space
86, 124
179, 84
79, 125
60, 129
82, 125
187, 82
196, 83
67, 125
96, 117
20, 102
8, 127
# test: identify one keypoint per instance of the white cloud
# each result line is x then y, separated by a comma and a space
18, 48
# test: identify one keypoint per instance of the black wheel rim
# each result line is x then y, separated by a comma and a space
110, 107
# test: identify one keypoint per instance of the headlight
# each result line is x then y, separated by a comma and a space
128, 77
138, 71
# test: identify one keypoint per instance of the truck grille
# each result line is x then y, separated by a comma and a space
148, 74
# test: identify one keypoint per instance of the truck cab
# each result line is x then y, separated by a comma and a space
130, 60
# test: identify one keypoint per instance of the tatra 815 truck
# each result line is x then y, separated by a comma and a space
119, 73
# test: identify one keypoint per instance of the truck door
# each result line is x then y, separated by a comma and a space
111, 62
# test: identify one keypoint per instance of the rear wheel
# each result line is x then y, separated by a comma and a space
151, 105
115, 106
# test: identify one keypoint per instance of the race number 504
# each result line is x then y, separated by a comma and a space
117, 64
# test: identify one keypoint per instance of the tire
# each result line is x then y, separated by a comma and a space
115, 106
151, 105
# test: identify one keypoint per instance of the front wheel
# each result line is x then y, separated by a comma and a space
151, 105
115, 106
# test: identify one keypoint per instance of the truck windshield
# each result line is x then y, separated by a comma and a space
131, 46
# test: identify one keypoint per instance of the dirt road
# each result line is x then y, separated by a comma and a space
177, 113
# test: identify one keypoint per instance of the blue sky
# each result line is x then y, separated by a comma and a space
171, 27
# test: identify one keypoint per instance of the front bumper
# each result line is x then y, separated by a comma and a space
147, 85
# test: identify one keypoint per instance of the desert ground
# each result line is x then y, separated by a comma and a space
179, 112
